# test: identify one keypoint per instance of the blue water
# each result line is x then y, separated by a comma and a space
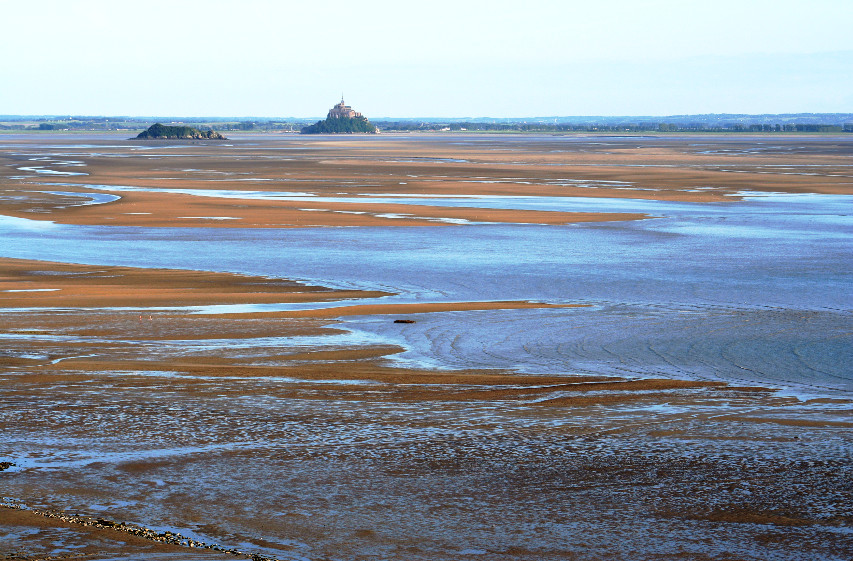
756, 291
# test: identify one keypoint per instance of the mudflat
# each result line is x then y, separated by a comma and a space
283, 418
171, 184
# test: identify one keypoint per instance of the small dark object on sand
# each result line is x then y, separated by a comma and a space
404, 321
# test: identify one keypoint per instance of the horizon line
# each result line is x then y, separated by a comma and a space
590, 116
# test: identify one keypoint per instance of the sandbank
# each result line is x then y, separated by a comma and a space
708, 170
275, 432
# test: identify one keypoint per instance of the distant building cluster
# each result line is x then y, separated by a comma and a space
342, 110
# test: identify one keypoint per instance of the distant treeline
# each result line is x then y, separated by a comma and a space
625, 127
130, 124
794, 122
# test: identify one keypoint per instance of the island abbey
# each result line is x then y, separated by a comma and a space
343, 110
341, 119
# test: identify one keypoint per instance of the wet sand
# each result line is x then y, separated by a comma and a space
27, 535
665, 169
263, 432
359, 453
171, 210
42, 284
712, 467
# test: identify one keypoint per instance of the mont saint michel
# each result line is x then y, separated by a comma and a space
341, 119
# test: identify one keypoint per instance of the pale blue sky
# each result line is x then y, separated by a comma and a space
428, 59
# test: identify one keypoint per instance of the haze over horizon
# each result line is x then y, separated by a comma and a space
476, 59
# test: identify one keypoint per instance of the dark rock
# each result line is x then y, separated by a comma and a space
404, 321
158, 131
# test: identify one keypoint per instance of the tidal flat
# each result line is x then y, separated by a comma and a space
426, 347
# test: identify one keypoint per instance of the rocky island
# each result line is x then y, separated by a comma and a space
159, 131
341, 119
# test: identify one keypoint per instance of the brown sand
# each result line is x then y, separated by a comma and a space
17, 540
591, 451
661, 449
403, 309
81, 289
107, 334
41, 284
666, 169
176, 210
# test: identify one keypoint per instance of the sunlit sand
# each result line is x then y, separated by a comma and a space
385, 416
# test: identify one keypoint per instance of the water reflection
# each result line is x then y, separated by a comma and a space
697, 271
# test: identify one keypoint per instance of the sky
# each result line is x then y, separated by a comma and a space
282, 58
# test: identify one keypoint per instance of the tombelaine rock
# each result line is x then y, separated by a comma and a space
158, 131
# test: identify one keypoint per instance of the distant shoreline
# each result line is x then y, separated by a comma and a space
397, 133
786, 123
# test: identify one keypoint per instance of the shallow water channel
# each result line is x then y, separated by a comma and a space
755, 292
763, 284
